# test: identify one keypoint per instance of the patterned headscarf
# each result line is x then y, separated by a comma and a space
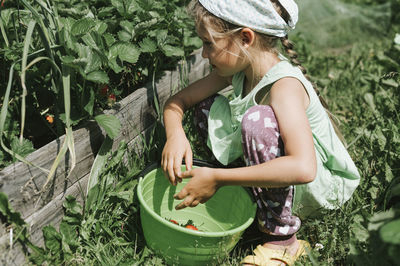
259, 15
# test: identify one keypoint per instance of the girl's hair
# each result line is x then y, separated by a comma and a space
219, 28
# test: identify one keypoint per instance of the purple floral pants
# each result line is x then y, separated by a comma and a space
261, 142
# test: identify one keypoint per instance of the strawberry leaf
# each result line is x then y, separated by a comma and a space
110, 124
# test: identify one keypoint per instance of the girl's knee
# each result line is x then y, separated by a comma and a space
260, 135
259, 118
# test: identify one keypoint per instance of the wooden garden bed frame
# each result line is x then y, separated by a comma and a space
22, 182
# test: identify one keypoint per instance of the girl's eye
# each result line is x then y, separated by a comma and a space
207, 43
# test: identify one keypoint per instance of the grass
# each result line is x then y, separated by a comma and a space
365, 98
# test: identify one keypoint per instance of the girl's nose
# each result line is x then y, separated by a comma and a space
204, 53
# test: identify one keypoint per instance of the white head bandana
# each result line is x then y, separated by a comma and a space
259, 15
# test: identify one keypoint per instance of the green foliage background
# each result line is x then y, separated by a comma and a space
119, 43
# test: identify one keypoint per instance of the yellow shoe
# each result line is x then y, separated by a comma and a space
267, 256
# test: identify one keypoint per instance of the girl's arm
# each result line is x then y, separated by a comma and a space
289, 101
177, 146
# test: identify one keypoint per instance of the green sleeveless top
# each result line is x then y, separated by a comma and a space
337, 176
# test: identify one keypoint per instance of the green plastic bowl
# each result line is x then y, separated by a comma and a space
221, 221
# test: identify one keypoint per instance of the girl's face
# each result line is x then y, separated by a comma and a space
224, 56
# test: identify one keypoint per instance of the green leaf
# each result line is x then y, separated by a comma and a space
358, 230
98, 76
74, 118
388, 173
101, 27
72, 206
23, 149
105, 12
390, 232
161, 35
369, 98
124, 36
52, 239
90, 41
69, 236
94, 62
170, 50
88, 101
84, 54
380, 137
82, 26
6, 14
73, 211
115, 66
380, 218
144, 27
123, 195
91, 200
4, 205
99, 163
373, 191
386, 60
110, 124
125, 51
192, 41
110, 40
148, 45
391, 82
125, 7
68, 59
127, 26
8, 212
118, 154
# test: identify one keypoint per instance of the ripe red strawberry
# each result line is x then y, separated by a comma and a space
111, 99
50, 119
104, 90
192, 227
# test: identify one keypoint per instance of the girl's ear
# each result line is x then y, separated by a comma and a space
247, 36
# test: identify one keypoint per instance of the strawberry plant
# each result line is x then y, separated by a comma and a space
66, 51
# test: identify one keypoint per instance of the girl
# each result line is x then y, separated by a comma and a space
294, 160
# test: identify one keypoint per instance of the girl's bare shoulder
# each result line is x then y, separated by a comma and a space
289, 89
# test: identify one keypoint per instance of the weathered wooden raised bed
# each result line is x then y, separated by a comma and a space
22, 182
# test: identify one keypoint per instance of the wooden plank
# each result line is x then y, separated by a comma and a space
12, 257
51, 214
22, 182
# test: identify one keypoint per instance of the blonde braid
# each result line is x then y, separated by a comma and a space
288, 46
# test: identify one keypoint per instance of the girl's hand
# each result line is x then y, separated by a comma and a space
201, 187
175, 149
